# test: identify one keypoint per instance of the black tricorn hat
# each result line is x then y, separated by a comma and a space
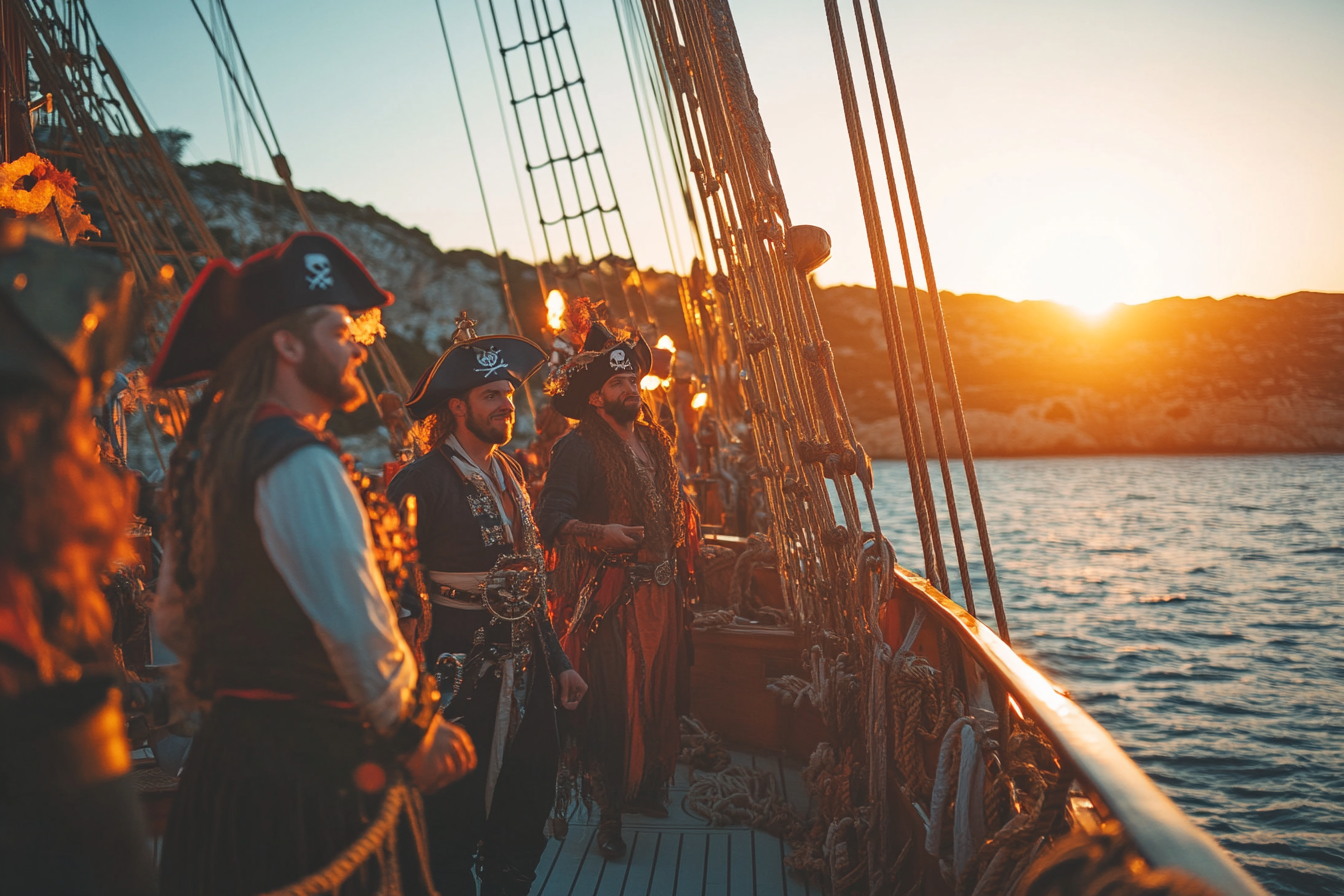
225, 304
64, 314
604, 355
471, 363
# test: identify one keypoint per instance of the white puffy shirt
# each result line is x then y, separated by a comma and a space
317, 534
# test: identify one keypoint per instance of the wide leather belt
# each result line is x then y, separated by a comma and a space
455, 598
658, 573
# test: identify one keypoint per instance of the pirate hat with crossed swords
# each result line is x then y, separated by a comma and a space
473, 361
226, 303
604, 355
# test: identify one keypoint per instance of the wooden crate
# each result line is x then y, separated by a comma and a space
732, 666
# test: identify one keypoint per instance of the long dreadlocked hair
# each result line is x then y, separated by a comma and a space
204, 482
63, 519
661, 510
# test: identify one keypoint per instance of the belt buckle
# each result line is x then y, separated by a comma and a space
662, 573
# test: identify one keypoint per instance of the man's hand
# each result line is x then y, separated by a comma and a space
611, 537
445, 755
572, 688
616, 537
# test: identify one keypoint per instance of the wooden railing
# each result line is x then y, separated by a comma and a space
1164, 835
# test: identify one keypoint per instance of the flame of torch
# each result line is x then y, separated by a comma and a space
699, 400
555, 310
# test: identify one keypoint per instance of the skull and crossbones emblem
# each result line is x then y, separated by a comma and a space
319, 271
490, 361
619, 361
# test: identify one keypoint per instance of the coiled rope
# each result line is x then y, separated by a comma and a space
726, 794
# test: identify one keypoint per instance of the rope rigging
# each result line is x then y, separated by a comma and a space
98, 130
572, 189
880, 252
759, 330
504, 128
485, 203
272, 144
227, 46
638, 89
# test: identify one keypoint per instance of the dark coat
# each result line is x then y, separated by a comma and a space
576, 488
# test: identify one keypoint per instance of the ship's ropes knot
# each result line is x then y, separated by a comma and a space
818, 353
1102, 862
770, 230
815, 452
701, 748
830, 852
1020, 805
744, 601
759, 338
837, 457
913, 688
740, 795
833, 689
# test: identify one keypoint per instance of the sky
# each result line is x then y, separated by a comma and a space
1074, 151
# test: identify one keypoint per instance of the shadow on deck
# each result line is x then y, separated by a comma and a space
680, 855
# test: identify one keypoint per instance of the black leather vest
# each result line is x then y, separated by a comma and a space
253, 634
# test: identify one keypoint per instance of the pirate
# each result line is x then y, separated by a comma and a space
491, 635
622, 533
270, 592
70, 820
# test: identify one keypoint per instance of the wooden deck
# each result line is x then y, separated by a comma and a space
679, 855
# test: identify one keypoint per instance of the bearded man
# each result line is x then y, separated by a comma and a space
270, 591
623, 538
490, 632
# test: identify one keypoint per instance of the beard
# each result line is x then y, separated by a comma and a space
623, 412
319, 374
490, 429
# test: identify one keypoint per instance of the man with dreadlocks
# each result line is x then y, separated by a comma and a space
490, 634
271, 594
622, 535
70, 819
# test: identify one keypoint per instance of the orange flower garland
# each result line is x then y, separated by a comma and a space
53, 187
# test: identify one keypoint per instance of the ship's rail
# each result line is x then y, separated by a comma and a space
1161, 832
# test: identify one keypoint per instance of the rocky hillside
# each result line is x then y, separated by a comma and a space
1239, 374
1175, 375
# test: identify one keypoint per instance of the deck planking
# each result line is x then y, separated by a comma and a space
679, 855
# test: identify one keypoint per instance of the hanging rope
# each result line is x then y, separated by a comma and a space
278, 160
935, 300
485, 203
575, 166
930, 387
673, 255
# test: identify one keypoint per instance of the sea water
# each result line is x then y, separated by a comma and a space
1194, 606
